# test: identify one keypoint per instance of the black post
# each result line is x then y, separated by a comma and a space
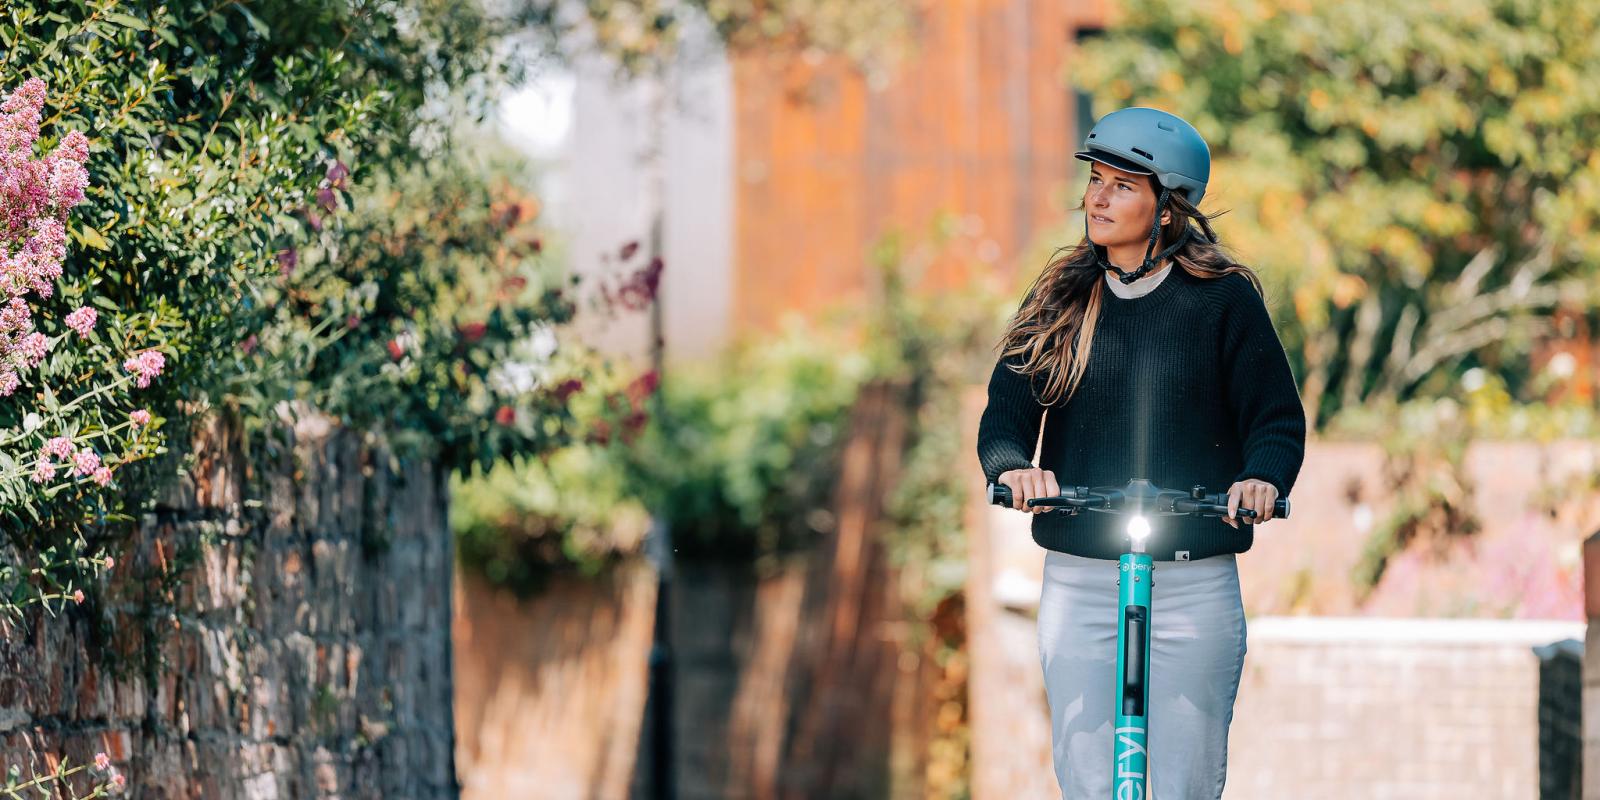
664, 786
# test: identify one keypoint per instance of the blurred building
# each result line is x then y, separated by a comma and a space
782, 170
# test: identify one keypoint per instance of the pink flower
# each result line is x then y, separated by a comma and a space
16, 315
60, 447
33, 348
74, 146
77, 596
327, 200
102, 476
139, 418
145, 366
83, 321
85, 462
102, 761
118, 782
248, 346
9, 382
44, 471
110, 562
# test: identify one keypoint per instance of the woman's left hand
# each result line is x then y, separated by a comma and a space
1253, 494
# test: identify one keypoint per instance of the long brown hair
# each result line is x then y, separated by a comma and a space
1053, 330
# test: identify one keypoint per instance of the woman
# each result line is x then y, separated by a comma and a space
1155, 355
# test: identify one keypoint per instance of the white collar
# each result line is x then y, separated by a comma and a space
1139, 288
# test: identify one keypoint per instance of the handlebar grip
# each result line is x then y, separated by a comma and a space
999, 494
1280, 509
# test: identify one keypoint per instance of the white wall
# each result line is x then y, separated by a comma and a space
593, 133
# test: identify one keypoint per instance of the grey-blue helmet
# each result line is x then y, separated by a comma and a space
1148, 141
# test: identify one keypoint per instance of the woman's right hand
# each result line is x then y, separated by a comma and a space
1027, 484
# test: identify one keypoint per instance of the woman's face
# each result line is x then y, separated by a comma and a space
1119, 206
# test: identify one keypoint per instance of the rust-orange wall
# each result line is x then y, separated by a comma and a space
977, 121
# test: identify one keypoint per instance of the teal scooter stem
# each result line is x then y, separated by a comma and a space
1135, 579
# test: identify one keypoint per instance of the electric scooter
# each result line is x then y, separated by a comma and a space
1135, 578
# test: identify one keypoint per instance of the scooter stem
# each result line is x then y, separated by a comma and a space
1130, 768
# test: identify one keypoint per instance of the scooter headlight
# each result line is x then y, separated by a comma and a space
1138, 528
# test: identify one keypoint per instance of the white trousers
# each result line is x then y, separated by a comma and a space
1197, 647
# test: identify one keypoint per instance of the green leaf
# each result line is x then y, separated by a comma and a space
127, 21
255, 22
90, 237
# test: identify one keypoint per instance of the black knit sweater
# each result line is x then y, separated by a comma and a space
1186, 385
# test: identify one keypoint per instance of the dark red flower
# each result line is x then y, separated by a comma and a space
643, 386
568, 388
352, 321
327, 199
337, 173
635, 422
505, 415
248, 345
288, 259
473, 331
396, 352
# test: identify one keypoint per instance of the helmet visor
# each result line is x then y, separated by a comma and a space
1114, 160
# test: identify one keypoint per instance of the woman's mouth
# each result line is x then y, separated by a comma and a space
1101, 219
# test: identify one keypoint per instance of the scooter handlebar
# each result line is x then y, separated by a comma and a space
1215, 505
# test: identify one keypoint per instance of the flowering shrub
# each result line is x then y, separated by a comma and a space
427, 316
220, 152
78, 412
108, 781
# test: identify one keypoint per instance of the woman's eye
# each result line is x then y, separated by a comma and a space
1125, 187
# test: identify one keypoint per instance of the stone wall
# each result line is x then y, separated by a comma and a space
302, 651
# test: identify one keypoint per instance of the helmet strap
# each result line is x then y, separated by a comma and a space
1148, 263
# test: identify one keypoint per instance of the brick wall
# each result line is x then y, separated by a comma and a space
306, 652
1374, 708
976, 123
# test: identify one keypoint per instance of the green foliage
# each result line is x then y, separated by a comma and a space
644, 35
519, 524
1425, 443
742, 456
737, 454
254, 217
426, 317
213, 129
938, 343
1420, 177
